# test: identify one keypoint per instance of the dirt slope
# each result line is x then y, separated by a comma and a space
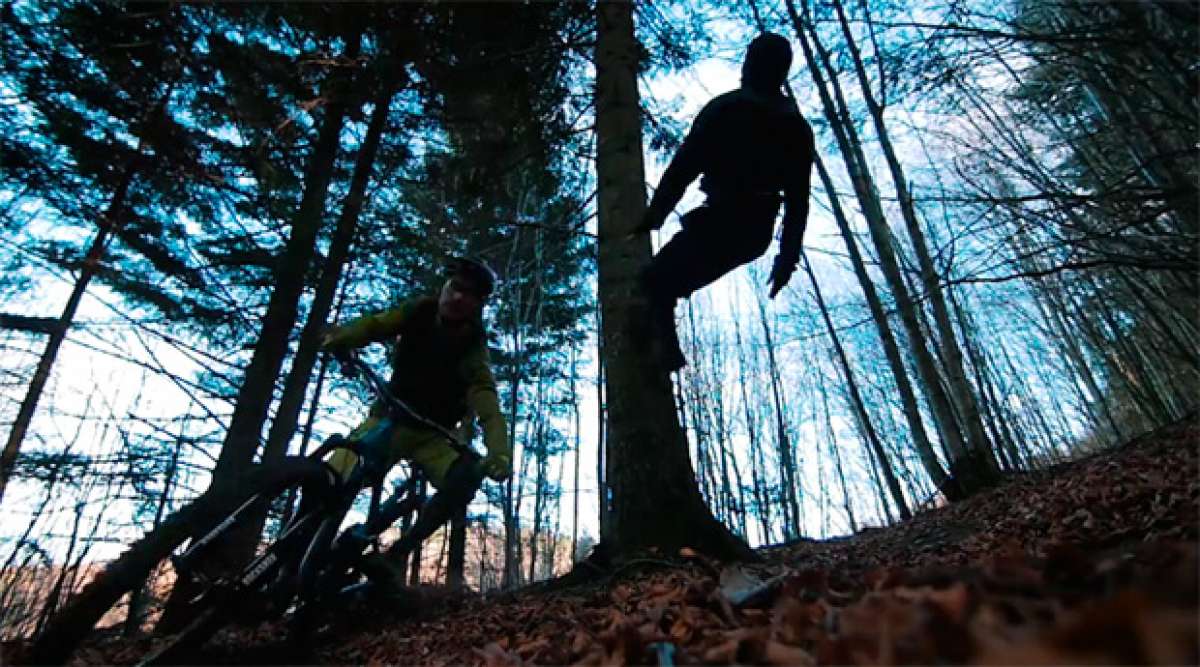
1090, 562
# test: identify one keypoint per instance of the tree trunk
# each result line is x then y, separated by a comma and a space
554, 530
654, 500
602, 490
960, 392
834, 449
787, 467
993, 405
288, 413
864, 418
539, 482
512, 535
970, 473
1052, 311
885, 511
109, 222
539, 419
688, 403
415, 579
575, 412
891, 349
757, 466
52, 599
406, 520
133, 617
258, 385
254, 395
313, 408
457, 561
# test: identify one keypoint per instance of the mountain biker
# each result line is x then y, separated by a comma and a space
750, 144
440, 369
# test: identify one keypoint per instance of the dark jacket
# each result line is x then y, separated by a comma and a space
746, 144
436, 376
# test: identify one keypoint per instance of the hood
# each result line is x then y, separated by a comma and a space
768, 59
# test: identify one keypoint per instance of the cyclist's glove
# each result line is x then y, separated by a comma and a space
344, 355
329, 338
497, 466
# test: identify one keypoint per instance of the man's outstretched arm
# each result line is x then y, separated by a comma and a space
367, 329
796, 192
483, 401
685, 166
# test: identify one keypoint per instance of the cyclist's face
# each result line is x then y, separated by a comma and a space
459, 299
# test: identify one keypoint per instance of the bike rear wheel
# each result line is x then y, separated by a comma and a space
217, 608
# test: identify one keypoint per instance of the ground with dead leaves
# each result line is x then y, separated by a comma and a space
1090, 562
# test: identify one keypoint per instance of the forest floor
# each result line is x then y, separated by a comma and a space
1093, 561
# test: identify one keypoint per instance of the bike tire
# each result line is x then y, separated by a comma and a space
181, 649
279, 479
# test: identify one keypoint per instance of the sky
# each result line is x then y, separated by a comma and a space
89, 382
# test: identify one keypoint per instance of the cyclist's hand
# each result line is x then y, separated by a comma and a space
330, 338
497, 466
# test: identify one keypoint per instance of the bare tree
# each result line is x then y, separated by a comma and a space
647, 463
860, 409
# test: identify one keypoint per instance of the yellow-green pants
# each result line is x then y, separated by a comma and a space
425, 448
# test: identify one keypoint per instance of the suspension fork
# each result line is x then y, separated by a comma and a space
403, 502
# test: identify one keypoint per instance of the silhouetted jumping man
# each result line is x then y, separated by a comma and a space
750, 144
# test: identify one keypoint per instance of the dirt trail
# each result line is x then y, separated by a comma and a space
1089, 562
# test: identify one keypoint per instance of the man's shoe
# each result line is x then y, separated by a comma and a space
383, 572
665, 341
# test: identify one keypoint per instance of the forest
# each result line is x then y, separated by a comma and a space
971, 411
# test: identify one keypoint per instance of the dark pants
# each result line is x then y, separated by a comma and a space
462, 482
459, 485
716, 238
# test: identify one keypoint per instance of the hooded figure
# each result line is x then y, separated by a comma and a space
749, 145
768, 59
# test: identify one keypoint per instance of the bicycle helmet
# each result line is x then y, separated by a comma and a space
475, 270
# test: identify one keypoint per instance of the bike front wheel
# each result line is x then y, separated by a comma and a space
223, 602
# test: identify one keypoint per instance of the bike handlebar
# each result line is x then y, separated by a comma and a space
395, 405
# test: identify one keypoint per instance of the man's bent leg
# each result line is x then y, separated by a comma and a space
715, 240
694, 258
660, 280
342, 460
447, 472
459, 486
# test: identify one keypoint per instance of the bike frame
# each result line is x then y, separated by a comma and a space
335, 500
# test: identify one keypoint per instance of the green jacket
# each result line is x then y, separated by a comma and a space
439, 378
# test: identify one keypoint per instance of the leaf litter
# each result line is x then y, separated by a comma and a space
1089, 562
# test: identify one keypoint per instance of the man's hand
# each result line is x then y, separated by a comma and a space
343, 355
497, 466
781, 273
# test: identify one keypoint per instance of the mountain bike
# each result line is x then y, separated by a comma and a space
312, 559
